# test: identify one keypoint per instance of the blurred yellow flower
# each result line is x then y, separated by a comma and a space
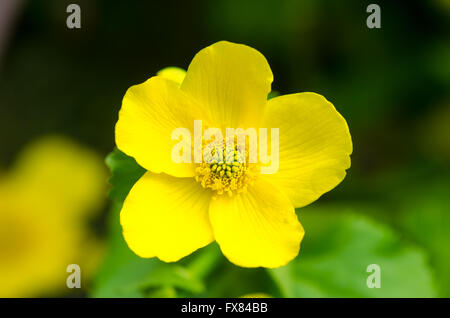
169, 212
45, 200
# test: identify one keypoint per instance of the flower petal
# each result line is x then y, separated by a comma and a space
166, 217
150, 112
257, 228
315, 146
232, 82
173, 73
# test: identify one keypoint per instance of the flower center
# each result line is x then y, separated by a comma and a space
224, 170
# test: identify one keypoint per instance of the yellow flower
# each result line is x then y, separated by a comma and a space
44, 202
176, 208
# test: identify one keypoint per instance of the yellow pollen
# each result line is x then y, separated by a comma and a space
225, 174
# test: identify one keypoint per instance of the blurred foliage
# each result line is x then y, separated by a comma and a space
124, 173
425, 219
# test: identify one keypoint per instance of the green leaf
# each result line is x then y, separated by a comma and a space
231, 281
124, 279
336, 252
163, 292
174, 276
121, 267
273, 94
124, 174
